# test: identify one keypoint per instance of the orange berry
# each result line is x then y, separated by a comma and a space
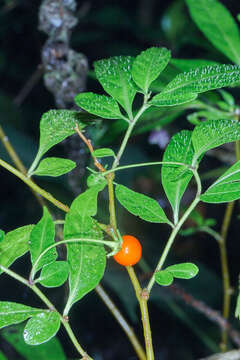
130, 252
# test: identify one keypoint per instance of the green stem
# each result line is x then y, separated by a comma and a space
225, 271
45, 300
33, 186
175, 231
128, 134
111, 244
154, 163
142, 297
123, 323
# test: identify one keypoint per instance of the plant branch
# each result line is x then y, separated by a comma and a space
34, 186
142, 297
51, 307
176, 230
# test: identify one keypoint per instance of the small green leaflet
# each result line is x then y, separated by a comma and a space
164, 278
179, 271
218, 25
2, 357
14, 313
53, 166
148, 65
188, 64
104, 152
100, 105
114, 74
50, 350
42, 236
179, 149
96, 179
213, 133
55, 126
183, 271
173, 98
226, 188
14, 245
203, 79
41, 327
54, 274
141, 205
86, 261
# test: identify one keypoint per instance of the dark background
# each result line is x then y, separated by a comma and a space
108, 28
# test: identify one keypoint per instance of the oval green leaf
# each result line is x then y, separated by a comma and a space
141, 205
226, 188
148, 65
42, 236
55, 126
218, 25
164, 278
104, 152
14, 245
100, 105
41, 328
172, 99
213, 133
14, 313
53, 166
179, 149
183, 271
54, 274
114, 74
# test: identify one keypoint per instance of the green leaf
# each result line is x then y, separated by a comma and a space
141, 205
183, 271
55, 126
228, 98
148, 65
51, 350
164, 278
226, 188
54, 274
173, 98
14, 245
203, 79
42, 236
213, 133
104, 152
179, 149
87, 262
14, 313
41, 328
2, 357
189, 64
96, 179
53, 166
237, 309
218, 25
101, 105
114, 74
2, 234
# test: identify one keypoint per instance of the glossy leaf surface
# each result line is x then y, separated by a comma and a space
218, 25
42, 236
14, 313
213, 133
86, 261
41, 328
226, 188
54, 274
179, 149
50, 350
53, 166
183, 271
104, 152
164, 278
148, 65
14, 245
140, 205
55, 126
114, 74
172, 98
100, 105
